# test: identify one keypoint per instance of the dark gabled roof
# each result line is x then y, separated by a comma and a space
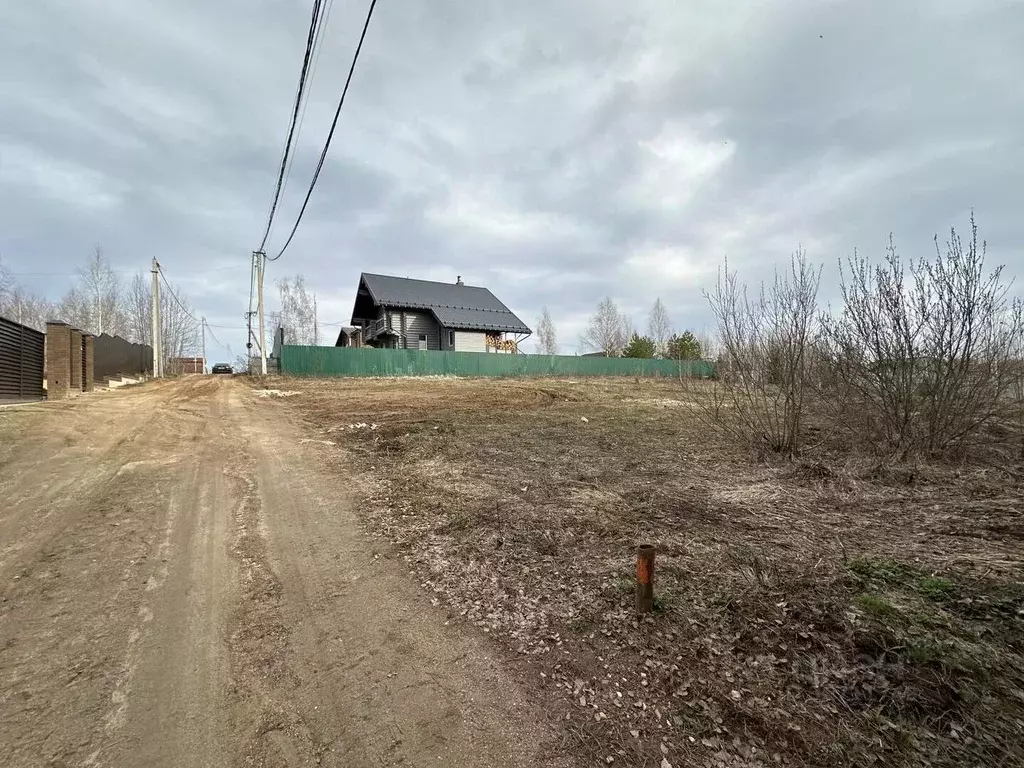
455, 306
478, 319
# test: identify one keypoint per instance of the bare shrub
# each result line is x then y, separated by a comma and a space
922, 357
758, 395
1017, 392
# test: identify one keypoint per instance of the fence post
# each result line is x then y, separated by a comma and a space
645, 578
58, 360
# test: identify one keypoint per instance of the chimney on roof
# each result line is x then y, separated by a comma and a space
458, 280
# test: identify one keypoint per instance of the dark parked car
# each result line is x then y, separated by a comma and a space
221, 368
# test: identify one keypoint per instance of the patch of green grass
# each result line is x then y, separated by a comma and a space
935, 588
662, 602
924, 652
885, 571
875, 605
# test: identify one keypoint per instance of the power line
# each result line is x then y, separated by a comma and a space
318, 47
216, 340
175, 297
330, 134
121, 272
311, 38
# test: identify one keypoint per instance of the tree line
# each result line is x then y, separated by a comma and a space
100, 302
611, 333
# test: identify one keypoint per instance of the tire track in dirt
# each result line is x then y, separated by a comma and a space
195, 591
271, 730
74, 467
98, 618
372, 673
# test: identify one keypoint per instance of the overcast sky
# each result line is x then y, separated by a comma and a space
555, 152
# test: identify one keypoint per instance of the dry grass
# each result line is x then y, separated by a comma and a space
818, 613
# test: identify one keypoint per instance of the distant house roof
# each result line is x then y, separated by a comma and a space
344, 335
455, 305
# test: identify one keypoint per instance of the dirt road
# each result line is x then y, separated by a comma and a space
181, 585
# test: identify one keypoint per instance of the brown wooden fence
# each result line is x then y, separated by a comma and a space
22, 351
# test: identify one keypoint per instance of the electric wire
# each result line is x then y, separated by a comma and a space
311, 37
318, 47
174, 296
330, 134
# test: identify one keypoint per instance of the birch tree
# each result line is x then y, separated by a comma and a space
606, 331
26, 308
98, 297
659, 327
73, 309
138, 310
19, 305
297, 314
546, 341
6, 283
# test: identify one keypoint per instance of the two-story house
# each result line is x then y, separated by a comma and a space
402, 313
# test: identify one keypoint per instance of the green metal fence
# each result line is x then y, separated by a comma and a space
366, 361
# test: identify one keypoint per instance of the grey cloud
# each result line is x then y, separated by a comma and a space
516, 144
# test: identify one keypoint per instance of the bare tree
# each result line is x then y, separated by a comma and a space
606, 331
73, 309
546, 341
759, 397
659, 327
297, 314
99, 296
26, 308
137, 307
19, 305
628, 330
180, 330
6, 283
708, 345
923, 357
180, 334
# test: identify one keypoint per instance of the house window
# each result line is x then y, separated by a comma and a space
451, 339
423, 341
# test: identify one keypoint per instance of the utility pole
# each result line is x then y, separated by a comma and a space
316, 328
261, 261
155, 295
204, 345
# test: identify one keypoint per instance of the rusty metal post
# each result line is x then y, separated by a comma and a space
645, 578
